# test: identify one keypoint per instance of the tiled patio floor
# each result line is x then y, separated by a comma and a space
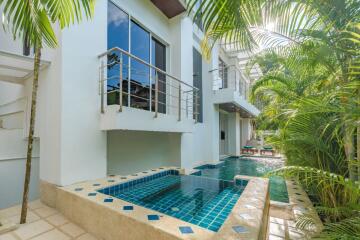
44, 223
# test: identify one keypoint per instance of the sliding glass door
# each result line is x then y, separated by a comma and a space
159, 61
140, 72
138, 79
117, 36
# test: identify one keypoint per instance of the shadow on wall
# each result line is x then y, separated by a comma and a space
12, 172
135, 151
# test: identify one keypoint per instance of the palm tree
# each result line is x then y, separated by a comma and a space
32, 20
331, 23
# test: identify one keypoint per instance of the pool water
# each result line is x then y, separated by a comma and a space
201, 201
242, 166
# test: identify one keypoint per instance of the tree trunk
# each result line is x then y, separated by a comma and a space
31, 133
350, 152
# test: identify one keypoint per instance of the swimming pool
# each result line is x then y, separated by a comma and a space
205, 202
244, 166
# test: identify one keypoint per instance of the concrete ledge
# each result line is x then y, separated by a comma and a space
48, 193
108, 220
250, 214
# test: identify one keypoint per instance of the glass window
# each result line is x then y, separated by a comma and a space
223, 73
128, 35
158, 51
117, 36
140, 73
197, 82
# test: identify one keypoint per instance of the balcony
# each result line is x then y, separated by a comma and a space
136, 95
231, 92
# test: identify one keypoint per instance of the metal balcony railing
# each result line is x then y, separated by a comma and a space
231, 78
127, 80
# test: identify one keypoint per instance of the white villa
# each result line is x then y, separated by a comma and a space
138, 135
155, 102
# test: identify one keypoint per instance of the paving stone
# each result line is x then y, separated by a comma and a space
277, 229
86, 236
57, 220
45, 211
53, 235
7, 236
72, 229
32, 229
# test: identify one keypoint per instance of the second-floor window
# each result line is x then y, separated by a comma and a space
197, 82
138, 82
223, 73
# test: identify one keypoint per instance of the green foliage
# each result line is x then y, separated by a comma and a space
337, 201
32, 20
309, 91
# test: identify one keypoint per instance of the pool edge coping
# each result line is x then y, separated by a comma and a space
68, 196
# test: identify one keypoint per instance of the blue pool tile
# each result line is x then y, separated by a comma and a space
153, 217
240, 229
108, 200
186, 230
128, 208
214, 228
91, 194
78, 189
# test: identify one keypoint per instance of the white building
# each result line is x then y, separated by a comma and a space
83, 134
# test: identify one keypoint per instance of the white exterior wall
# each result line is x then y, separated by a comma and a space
245, 131
73, 147
234, 134
134, 151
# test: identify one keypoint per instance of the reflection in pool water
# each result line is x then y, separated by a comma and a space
244, 166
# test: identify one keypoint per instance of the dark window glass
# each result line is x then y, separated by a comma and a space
197, 82
140, 73
117, 36
158, 51
26, 45
223, 73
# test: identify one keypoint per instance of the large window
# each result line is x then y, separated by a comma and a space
159, 61
140, 73
197, 82
223, 73
138, 79
117, 36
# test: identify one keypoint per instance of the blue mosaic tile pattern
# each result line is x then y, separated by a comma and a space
201, 201
186, 230
153, 217
128, 208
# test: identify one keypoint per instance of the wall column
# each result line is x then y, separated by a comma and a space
234, 134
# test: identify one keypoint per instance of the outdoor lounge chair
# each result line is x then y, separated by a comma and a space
266, 150
249, 150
